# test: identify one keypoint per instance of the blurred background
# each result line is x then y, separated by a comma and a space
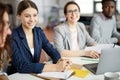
51, 11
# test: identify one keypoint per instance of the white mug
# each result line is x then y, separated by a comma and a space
111, 76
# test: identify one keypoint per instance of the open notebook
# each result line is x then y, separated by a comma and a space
59, 75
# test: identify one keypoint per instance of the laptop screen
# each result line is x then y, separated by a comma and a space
109, 61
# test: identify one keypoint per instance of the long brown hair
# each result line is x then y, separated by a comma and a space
3, 9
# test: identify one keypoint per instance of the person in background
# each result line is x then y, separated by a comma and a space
4, 41
71, 37
103, 25
28, 42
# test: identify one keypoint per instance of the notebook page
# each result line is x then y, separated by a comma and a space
61, 75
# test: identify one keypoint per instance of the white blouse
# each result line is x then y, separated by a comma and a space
32, 51
75, 43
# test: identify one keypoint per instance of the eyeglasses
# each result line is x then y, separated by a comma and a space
71, 11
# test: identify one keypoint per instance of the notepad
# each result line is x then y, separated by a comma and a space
80, 73
59, 75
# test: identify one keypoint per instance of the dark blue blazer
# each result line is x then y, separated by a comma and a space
22, 59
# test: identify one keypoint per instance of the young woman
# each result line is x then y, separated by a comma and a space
71, 36
28, 42
4, 40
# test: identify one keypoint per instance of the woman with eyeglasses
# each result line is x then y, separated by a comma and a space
4, 41
71, 37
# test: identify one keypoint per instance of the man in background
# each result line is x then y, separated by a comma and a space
103, 25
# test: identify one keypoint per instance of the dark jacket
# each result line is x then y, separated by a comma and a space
22, 59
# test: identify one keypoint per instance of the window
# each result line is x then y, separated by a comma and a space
86, 6
97, 6
118, 6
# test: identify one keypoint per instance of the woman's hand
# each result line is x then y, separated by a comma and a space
92, 53
3, 77
63, 64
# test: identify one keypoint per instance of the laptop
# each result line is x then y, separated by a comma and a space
109, 61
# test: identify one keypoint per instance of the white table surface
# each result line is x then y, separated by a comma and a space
76, 60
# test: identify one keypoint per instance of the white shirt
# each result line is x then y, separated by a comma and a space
32, 51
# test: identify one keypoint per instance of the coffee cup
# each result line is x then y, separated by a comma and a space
111, 76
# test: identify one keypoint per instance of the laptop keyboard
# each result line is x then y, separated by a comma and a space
92, 67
